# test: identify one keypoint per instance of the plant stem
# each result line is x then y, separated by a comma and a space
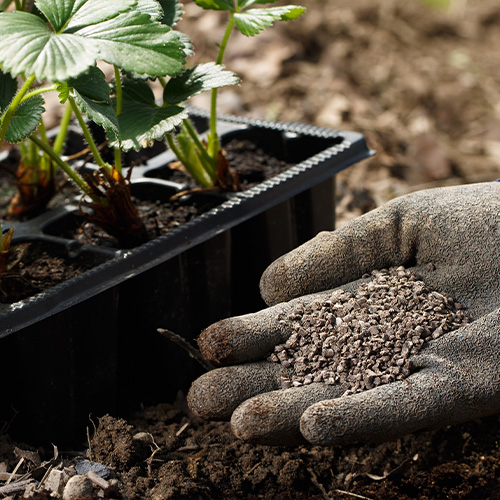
32, 155
63, 130
177, 152
207, 159
88, 136
75, 177
46, 164
119, 93
7, 117
119, 101
43, 131
213, 139
38, 91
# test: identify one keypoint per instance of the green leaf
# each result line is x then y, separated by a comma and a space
25, 119
216, 4
172, 12
142, 120
243, 4
253, 21
150, 7
8, 89
64, 92
30, 46
188, 45
133, 42
196, 80
82, 32
93, 85
74, 14
99, 112
92, 95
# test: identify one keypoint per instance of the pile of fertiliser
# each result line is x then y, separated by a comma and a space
365, 339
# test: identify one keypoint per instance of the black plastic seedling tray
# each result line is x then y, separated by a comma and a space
89, 345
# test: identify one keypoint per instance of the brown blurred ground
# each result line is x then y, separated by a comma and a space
422, 83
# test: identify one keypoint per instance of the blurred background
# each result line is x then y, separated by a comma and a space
419, 78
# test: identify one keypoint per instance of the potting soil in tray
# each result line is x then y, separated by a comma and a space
35, 275
42, 266
158, 217
251, 164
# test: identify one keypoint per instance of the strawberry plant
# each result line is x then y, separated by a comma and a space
205, 160
56, 47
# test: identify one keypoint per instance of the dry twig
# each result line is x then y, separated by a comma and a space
192, 351
318, 485
354, 495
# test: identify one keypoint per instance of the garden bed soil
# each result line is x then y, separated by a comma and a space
166, 453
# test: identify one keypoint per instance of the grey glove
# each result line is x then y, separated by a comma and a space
450, 238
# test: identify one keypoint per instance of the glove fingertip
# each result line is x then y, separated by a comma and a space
271, 289
317, 424
214, 343
204, 399
217, 393
256, 421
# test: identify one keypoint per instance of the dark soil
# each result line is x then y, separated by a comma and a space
204, 460
166, 453
251, 163
42, 266
159, 218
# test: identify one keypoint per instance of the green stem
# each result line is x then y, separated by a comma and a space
118, 160
119, 92
213, 138
188, 127
38, 91
88, 136
43, 131
32, 158
24, 150
46, 164
177, 151
4, 4
63, 130
75, 177
119, 103
7, 116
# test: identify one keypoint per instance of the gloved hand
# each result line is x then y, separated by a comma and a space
450, 238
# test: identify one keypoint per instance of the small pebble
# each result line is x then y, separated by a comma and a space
78, 488
365, 339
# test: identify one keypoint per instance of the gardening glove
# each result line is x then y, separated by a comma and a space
449, 238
